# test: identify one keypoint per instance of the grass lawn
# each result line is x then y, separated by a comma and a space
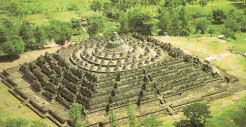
228, 114
239, 45
202, 46
235, 65
232, 115
9, 108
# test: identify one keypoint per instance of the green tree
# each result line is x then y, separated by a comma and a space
108, 10
232, 24
113, 119
243, 24
141, 22
211, 31
123, 20
77, 26
173, 3
184, 30
76, 23
78, 124
197, 112
131, 115
201, 25
145, 3
60, 31
114, 2
8, 24
96, 5
191, 2
174, 29
75, 113
16, 122
218, 16
96, 25
27, 35
2, 36
154, 2
229, 33
123, 5
40, 37
167, 4
38, 124
203, 3
16, 9
73, 6
13, 46
164, 22
151, 122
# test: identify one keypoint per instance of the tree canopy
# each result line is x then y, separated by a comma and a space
131, 115
60, 31
75, 113
196, 112
13, 46
141, 22
113, 119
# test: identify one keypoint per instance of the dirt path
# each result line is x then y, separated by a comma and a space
27, 57
218, 56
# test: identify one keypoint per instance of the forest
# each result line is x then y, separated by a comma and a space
29, 24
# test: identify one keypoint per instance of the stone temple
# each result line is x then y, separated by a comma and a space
110, 73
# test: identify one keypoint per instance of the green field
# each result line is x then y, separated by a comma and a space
9, 108
231, 115
228, 114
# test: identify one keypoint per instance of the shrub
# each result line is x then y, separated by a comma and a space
40, 37
201, 25
164, 22
151, 122
243, 24
123, 20
96, 5
211, 31
218, 16
229, 33
96, 25
60, 31
232, 24
141, 21
27, 34
75, 113
197, 113
73, 7
16, 122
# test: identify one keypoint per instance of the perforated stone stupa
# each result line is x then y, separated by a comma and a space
112, 72
116, 55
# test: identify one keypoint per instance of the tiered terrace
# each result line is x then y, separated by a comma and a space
110, 73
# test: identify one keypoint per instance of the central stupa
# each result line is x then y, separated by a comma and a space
116, 54
116, 44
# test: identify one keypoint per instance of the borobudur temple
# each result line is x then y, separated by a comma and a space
109, 73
